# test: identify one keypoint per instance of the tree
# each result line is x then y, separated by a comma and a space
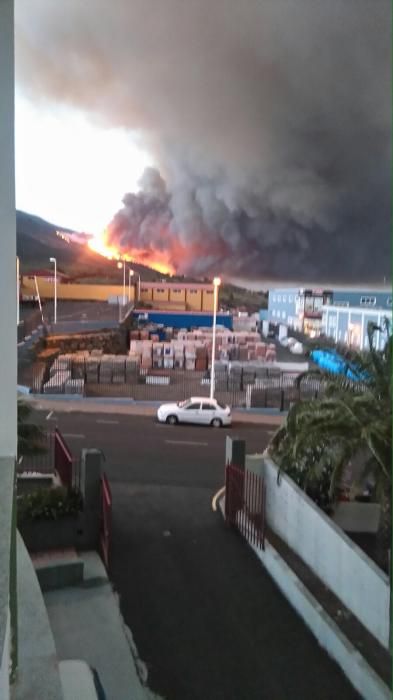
30, 436
353, 416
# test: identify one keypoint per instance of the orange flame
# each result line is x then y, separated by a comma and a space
157, 260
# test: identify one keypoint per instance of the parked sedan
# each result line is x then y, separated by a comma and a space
197, 409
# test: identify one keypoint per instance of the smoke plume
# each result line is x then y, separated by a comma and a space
269, 121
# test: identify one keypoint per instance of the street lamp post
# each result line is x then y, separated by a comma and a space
130, 274
54, 261
216, 284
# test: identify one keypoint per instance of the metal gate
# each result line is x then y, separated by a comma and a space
106, 520
245, 503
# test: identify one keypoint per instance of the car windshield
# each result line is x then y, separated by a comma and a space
221, 405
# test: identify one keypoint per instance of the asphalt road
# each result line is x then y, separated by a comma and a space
206, 617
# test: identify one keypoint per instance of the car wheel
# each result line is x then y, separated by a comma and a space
172, 420
216, 423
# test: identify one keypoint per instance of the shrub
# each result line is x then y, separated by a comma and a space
49, 504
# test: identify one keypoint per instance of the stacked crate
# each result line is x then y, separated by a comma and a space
146, 354
56, 383
168, 353
132, 369
118, 369
91, 367
74, 386
106, 369
201, 358
178, 354
190, 355
157, 355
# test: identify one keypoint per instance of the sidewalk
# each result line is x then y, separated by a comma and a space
87, 624
69, 404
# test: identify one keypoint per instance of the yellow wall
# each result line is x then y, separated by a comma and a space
207, 301
93, 292
146, 294
161, 293
194, 299
177, 295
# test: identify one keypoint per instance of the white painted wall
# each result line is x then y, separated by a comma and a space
5, 663
7, 235
8, 376
345, 569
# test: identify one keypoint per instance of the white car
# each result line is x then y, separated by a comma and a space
197, 409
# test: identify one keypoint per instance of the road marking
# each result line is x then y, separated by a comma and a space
216, 497
50, 414
77, 436
107, 422
186, 442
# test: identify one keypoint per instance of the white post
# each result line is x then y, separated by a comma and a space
124, 282
129, 285
216, 284
139, 287
39, 298
17, 291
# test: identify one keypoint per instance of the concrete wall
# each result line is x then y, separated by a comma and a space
5, 662
8, 364
347, 571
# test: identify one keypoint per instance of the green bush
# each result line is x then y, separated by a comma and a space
49, 504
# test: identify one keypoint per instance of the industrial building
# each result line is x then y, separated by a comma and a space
342, 314
159, 295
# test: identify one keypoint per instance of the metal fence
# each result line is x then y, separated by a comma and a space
55, 458
243, 387
30, 323
245, 499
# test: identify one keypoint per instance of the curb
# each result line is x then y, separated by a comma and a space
360, 674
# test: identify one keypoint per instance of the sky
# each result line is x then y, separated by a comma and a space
252, 140
70, 171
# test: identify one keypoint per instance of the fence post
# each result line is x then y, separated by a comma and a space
90, 474
282, 399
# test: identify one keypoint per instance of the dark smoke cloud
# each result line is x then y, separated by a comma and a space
269, 119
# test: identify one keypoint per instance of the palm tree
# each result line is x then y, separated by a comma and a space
353, 416
30, 436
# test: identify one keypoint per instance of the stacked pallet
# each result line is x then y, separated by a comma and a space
118, 369
55, 385
168, 356
178, 354
157, 355
74, 386
92, 365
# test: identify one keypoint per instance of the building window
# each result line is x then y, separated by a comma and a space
368, 301
279, 297
278, 314
192, 291
290, 298
284, 298
209, 292
273, 296
283, 314
274, 312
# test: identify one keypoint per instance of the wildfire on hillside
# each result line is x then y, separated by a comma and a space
156, 259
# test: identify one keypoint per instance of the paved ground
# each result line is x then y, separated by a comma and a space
206, 618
